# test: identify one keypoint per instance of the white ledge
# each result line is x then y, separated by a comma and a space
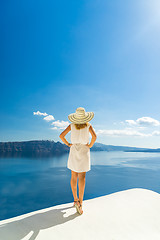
133, 214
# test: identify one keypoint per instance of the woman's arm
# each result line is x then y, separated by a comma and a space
63, 134
94, 136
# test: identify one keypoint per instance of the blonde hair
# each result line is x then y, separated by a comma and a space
79, 126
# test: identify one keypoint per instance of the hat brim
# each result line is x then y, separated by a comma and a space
88, 116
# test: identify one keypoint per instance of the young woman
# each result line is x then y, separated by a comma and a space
79, 154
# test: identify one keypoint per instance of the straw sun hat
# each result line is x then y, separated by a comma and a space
80, 116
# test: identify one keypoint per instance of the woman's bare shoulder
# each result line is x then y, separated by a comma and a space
68, 128
91, 129
90, 126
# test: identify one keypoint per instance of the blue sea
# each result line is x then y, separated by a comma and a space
30, 184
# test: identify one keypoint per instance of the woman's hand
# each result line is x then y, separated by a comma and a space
88, 145
70, 144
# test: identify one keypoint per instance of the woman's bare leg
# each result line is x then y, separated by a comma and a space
74, 176
81, 185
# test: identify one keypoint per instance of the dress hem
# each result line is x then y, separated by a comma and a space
79, 171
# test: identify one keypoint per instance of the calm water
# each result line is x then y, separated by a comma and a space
28, 184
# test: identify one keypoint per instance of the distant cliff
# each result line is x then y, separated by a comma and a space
33, 148
103, 147
50, 148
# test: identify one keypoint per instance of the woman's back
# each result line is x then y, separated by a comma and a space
80, 135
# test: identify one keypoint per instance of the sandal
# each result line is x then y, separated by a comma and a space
75, 202
79, 207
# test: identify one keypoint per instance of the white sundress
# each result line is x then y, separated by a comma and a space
79, 154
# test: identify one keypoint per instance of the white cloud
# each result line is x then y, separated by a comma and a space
123, 132
60, 124
156, 133
143, 121
40, 113
148, 121
57, 124
127, 132
54, 128
131, 122
134, 128
49, 118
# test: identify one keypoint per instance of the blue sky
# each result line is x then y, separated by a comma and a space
100, 55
